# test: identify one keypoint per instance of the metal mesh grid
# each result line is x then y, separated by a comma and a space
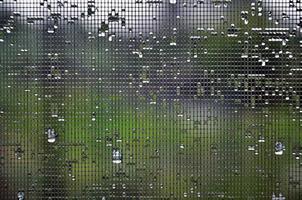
150, 99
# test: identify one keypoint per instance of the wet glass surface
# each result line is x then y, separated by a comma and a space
150, 99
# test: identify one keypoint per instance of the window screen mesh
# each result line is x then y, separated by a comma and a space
150, 99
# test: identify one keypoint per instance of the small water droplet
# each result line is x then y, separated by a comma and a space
261, 139
251, 147
51, 135
280, 197
116, 156
279, 148
18, 153
173, 1
21, 195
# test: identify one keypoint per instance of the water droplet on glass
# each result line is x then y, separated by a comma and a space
50, 30
279, 148
113, 16
280, 197
297, 151
233, 31
21, 196
251, 147
116, 156
261, 139
51, 135
18, 153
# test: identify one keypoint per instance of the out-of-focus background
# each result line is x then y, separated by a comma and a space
150, 99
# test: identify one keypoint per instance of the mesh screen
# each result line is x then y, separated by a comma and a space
150, 99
